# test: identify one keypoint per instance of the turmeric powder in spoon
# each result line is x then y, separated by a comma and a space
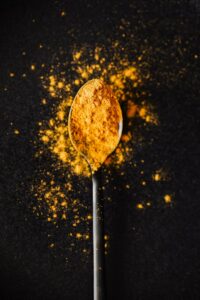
95, 122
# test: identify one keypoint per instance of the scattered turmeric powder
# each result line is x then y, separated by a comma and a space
125, 78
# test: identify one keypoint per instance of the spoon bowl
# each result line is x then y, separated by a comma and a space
95, 122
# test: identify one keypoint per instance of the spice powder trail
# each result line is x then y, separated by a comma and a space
126, 77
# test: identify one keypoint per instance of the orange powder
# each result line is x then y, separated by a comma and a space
95, 122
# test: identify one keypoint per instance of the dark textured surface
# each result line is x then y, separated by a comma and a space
153, 254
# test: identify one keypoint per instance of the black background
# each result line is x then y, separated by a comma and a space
154, 254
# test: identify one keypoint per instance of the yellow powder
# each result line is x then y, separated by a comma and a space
95, 122
106, 237
157, 177
167, 198
79, 235
140, 206
131, 109
44, 101
146, 113
60, 85
16, 131
63, 13
160, 175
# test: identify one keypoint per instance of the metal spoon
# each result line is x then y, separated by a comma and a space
95, 128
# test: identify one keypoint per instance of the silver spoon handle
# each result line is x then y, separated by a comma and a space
98, 243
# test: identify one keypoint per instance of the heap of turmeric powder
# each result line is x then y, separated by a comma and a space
95, 122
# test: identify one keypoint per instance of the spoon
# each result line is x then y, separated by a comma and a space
95, 128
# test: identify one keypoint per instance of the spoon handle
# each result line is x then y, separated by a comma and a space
98, 242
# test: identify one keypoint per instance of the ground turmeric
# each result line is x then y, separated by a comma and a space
95, 122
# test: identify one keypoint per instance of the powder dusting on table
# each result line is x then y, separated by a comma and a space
59, 198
